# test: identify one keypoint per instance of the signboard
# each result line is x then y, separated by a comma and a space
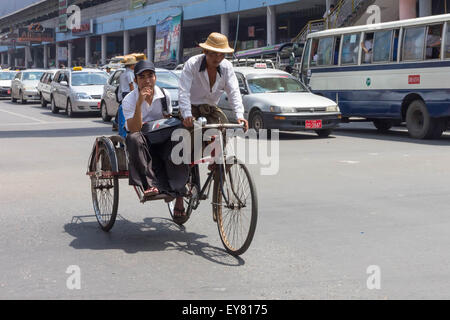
27, 35
62, 53
168, 41
135, 4
86, 27
62, 15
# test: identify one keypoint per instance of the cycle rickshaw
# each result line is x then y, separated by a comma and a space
234, 199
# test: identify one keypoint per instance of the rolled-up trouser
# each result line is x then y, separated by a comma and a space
213, 114
150, 165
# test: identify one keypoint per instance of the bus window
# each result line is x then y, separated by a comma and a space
433, 49
367, 47
325, 51
350, 49
413, 44
313, 56
336, 51
395, 46
304, 71
447, 42
382, 46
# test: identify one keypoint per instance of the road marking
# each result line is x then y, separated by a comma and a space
349, 161
21, 115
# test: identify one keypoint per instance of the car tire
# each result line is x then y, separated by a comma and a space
69, 109
22, 100
256, 122
419, 123
104, 112
323, 133
43, 102
55, 109
382, 125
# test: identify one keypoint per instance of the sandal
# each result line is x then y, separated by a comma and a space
152, 191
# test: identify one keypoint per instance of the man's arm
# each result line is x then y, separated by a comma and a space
234, 96
184, 93
135, 123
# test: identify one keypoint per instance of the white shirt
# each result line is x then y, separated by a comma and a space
149, 112
124, 81
194, 86
368, 56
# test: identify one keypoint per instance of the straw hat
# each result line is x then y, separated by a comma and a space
217, 42
129, 60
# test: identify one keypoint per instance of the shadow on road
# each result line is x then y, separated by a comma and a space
153, 234
69, 132
396, 135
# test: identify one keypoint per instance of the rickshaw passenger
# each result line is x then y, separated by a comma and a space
150, 165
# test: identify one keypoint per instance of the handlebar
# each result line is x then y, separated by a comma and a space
202, 122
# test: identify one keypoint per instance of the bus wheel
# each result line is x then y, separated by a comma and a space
419, 123
382, 125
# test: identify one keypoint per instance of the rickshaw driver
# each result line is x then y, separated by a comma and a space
149, 166
203, 80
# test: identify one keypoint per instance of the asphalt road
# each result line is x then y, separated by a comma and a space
338, 208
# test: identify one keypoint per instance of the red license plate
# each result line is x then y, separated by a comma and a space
313, 124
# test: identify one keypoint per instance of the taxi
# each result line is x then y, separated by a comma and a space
274, 99
77, 90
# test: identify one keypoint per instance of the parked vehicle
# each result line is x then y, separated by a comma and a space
77, 90
24, 85
44, 87
5, 82
164, 78
274, 99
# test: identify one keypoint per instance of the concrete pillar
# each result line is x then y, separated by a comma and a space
27, 56
425, 8
45, 56
87, 50
126, 42
57, 55
104, 48
150, 43
271, 25
407, 9
225, 25
9, 60
35, 57
69, 54
3, 59
16, 62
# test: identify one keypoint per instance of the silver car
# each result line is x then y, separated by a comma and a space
77, 90
164, 78
6, 77
24, 85
274, 99
44, 86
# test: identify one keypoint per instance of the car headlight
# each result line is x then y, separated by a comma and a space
333, 109
276, 109
83, 96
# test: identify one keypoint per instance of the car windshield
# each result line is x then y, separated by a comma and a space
89, 78
274, 83
32, 76
6, 75
166, 80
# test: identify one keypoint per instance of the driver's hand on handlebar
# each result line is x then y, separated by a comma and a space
188, 122
245, 122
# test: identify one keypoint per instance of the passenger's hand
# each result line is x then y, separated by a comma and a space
146, 94
245, 122
188, 122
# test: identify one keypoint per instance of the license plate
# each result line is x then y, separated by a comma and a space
313, 124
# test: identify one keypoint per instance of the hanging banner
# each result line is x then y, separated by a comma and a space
168, 41
36, 35
62, 23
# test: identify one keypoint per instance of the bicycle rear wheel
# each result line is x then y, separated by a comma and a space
235, 206
105, 190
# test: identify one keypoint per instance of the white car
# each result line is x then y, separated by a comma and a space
5, 82
44, 86
24, 85
77, 90
274, 99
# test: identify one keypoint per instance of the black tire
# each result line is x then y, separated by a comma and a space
383, 125
69, 109
104, 112
191, 200
419, 123
256, 122
237, 176
55, 109
323, 133
105, 204
43, 102
22, 100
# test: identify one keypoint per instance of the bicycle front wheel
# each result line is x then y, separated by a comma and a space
235, 206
